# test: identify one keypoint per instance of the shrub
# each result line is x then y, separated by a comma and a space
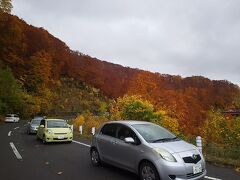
79, 121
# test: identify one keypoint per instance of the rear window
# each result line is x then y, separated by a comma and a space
109, 130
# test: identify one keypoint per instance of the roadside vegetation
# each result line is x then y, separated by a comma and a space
222, 139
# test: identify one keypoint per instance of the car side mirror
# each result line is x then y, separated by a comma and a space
129, 140
41, 126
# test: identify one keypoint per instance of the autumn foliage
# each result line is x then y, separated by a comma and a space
55, 79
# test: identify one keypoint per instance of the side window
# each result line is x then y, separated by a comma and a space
109, 130
124, 132
42, 122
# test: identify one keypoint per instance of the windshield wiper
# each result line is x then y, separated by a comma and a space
165, 139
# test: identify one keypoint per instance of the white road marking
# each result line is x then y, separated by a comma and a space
212, 178
16, 128
15, 151
9, 133
81, 143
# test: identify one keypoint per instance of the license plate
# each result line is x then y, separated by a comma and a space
60, 137
197, 168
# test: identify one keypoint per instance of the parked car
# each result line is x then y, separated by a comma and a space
34, 124
12, 118
54, 130
148, 150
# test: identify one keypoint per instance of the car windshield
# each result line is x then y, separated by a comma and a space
57, 124
36, 121
153, 133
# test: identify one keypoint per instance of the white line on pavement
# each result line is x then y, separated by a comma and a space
212, 178
16, 127
9, 133
81, 143
15, 151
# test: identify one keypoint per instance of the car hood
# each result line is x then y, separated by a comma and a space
174, 146
59, 130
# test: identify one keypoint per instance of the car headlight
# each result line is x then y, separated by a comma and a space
49, 131
165, 155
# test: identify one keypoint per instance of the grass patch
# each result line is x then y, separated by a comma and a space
85, 138
222, 154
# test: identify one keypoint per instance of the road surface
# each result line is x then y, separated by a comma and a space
23, 157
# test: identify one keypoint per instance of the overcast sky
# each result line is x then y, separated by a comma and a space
178, 37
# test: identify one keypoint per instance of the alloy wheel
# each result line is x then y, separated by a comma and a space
148, 172
95, 157
43, 140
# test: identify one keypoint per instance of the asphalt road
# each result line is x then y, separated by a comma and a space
36, 161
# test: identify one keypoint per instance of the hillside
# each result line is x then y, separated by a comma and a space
40, 61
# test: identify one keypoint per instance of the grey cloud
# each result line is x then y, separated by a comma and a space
185, 37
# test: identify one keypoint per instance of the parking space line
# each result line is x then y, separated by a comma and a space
9, 133
18, 155
212, 178
81, 143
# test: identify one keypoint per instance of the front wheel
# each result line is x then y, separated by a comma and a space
44, 140
95, 158
148, 171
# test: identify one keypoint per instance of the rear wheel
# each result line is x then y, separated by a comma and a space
95, 158
148, 171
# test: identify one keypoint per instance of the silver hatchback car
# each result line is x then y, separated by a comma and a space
33, 124
148, 150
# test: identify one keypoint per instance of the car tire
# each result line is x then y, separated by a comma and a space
95, 158
148, 171
44, 140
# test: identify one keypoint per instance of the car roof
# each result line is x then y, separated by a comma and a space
12, 115
37, 118
55, 119
130, 122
